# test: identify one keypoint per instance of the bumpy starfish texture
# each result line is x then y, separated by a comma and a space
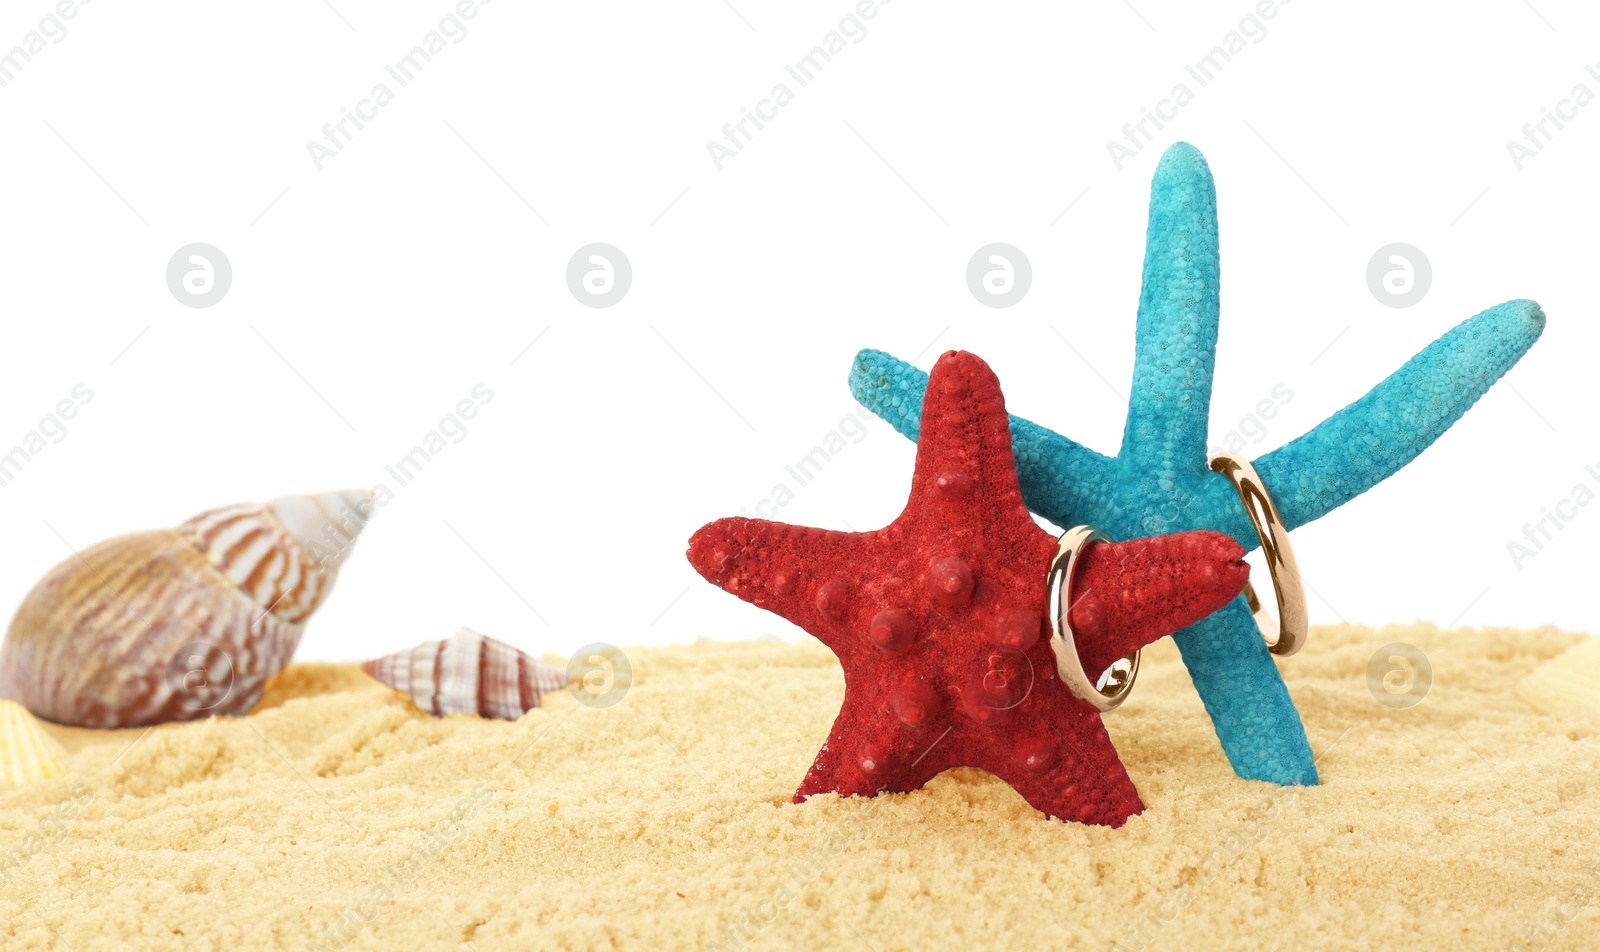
1160, 481
938, 618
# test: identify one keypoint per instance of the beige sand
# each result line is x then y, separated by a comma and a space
338, 816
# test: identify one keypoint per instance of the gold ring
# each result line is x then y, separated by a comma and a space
1285, 634
1114, 686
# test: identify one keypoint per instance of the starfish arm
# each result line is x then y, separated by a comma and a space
1250, 708
964, 420
796, 572
868, 751
1065, 766
1128, 594
1057, 474
965, 480
1367, 441
1165, 437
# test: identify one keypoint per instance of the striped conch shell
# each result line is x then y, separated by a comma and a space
27, 753
469, 673
178, 624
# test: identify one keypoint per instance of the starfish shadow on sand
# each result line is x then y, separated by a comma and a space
1160, 481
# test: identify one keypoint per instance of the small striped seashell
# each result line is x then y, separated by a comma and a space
27, 753
178, 624
469, 673
1568, 684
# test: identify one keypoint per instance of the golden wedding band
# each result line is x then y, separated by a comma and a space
1118, 680
1285, 634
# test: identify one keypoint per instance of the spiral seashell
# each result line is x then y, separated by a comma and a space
469, 673
27, 753
178, 624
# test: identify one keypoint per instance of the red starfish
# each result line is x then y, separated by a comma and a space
938, 618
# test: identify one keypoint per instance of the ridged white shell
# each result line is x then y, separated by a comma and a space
27, 753
178, 624
1568, 684
469, 673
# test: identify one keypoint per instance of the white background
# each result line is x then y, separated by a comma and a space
426, 257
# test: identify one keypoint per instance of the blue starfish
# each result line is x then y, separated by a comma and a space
1160, 481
